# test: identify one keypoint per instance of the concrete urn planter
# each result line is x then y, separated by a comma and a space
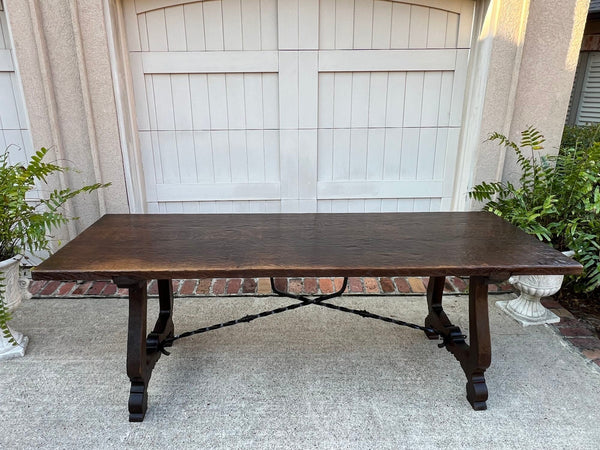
527, 307
15, 288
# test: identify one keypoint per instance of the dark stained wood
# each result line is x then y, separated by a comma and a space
479, 354
142, 351
286, 245
475, 357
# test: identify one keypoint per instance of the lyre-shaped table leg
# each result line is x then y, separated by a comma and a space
476, 357
142, 350
480, 346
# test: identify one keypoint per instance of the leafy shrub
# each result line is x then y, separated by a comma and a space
557, 198
25, 222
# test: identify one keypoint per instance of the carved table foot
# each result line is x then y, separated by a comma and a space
138, 401
477, 392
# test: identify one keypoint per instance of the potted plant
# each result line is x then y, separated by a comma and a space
28, 215
557, 199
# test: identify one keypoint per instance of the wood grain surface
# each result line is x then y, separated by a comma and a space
287, 245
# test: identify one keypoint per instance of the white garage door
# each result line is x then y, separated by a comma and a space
298, 105
14, 132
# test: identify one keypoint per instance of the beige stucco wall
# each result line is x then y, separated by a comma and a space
523, 72
62, 56
533, 61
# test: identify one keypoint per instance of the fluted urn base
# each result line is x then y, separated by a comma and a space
527, 307
527, 311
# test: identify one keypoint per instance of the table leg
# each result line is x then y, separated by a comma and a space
142, 351
476, 357
480, 346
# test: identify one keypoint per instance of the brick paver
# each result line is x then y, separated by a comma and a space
188, 287
264, 286
82, 288
203, 287
387, 285
416, 285
371, 286
234, 285
355, 285
338, 283
326, 285
249, 286
110, 290
295, 286
401, 284
66, 288
218, 286
311, 286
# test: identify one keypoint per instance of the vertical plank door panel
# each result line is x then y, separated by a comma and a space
232, 24
182, 108
382, 24
163, 97
409, 157
253, 101
287, 20
376, 154
239, 157
251, 24
327, 24
363, 24
394, 116
378, 99
272, 169
204, 157
436, 32
194, 26
393, 152
200, 104
268, 25
361, 83
187, 156
236, 117
217, 97
157, 31
400, 26
427, 148
220, 154
344, 24
342, 100
270, 86
308, 89
168, 157
432, 82
325, 155
175, 24
308, 25
359, 142
213, 25
341, 154
256, 156
413, 99
419, 22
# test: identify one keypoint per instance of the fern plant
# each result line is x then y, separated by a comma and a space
557, 198
25, 222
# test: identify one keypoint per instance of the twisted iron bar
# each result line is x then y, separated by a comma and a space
304, 301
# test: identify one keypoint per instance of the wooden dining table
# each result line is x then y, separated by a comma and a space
132, 249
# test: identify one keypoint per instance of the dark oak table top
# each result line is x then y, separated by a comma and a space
164, 246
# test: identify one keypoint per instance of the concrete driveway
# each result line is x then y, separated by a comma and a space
309, 378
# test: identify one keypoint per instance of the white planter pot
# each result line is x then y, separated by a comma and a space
527, 307
15, 289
